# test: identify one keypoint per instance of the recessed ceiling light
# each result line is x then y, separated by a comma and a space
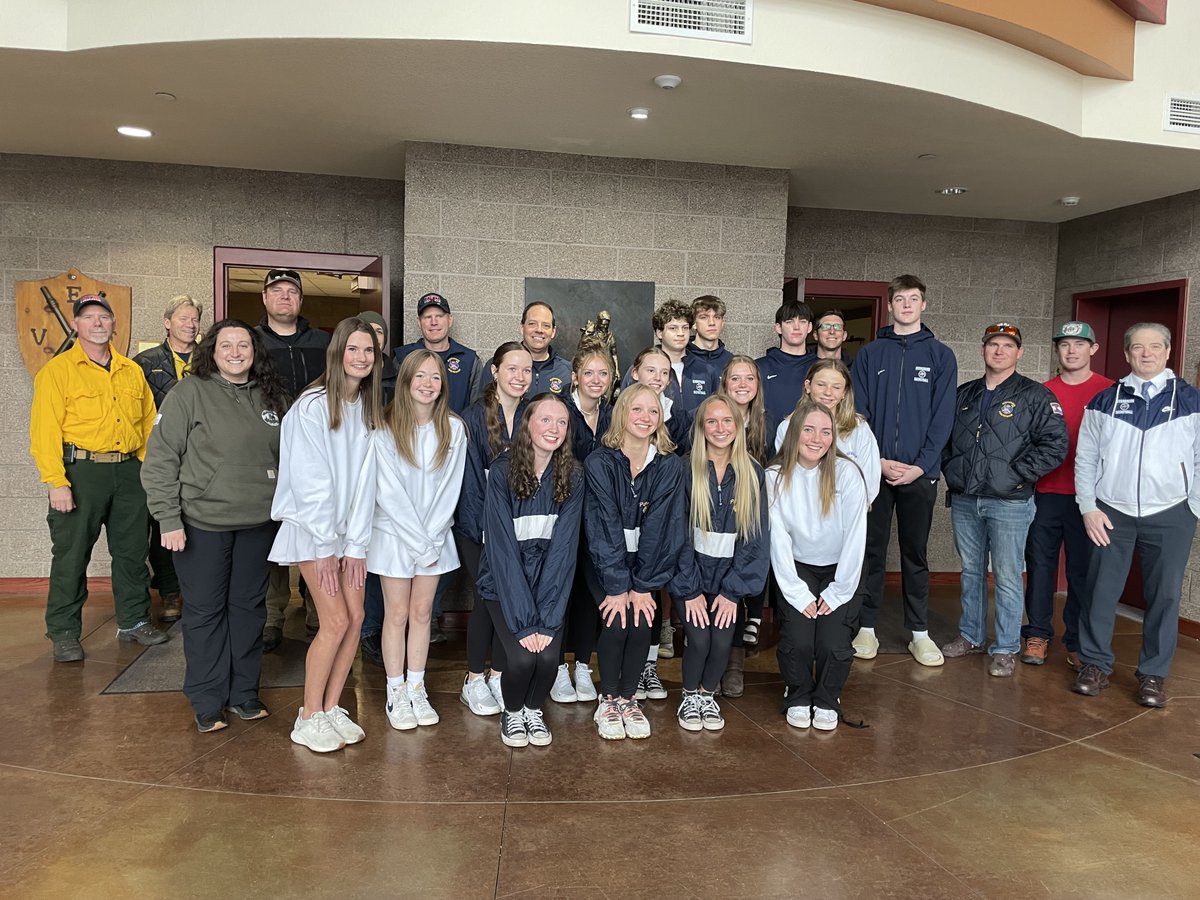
927, 156
134, 131
952, 191
639, 112
164, 95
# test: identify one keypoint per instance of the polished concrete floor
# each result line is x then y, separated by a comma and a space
962, 786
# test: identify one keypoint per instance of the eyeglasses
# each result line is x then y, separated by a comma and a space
831, 326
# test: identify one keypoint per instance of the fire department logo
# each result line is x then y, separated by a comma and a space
45, 318
556, 385
1007, 408
454, 365
1056, 408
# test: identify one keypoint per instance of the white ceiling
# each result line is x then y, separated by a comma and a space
348, 107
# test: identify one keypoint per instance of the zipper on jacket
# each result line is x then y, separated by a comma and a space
1183, 471
900, 393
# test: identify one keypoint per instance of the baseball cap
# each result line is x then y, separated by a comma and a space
89, 299
283, 275
433, 300
1075, 330
1002, 329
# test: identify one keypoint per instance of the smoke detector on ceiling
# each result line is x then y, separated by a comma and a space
668, 82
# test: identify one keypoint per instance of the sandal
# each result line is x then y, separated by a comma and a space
750, 633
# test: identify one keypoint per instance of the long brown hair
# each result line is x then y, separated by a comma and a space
491, 398
333, 380
788, 457
401, 414
845, 416
521, 476
755, 415
746, 498
615, 436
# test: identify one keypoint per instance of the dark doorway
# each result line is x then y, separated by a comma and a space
1111, 312
863, 305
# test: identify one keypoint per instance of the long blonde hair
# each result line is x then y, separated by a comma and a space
845, 416
755, 417
401, 414
746, 497
333, 379
615, 436
788, 457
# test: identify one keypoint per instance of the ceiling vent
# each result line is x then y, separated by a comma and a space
714, 20
1182, 114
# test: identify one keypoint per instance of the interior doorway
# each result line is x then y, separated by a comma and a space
863, 305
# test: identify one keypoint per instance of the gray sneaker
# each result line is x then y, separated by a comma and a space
68, 650
637, 726
710, 713
609, 721
1003, 665
689, 712
145, 634
960, 646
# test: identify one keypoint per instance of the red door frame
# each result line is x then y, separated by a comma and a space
868, 290
1178, 328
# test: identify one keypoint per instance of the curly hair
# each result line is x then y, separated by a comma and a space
262, 370
670, 311
521, 476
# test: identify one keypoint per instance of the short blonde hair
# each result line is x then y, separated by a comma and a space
182, 300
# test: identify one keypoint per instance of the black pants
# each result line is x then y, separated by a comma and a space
528, 677
621, 655
815, 654
224, 577
481, 631
583, 617
913, 504
162, 568
1056, 523
707, 653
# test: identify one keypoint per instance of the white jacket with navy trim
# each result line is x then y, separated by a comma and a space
1140, 457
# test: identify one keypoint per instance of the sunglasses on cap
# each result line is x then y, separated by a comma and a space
282, 275
1002, 329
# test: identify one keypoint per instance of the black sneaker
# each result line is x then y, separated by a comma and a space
371, 649
145, 634
272, 638
512, 729
206, 722
250, 710
68, 650
436, 634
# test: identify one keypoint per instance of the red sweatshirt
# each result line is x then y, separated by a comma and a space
1073, 398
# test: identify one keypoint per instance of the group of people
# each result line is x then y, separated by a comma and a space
377, 475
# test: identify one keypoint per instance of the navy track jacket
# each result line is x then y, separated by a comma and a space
718, 561
583, 439
905, 387
468, 520
632, 524
528, 561
781, 380
463, 371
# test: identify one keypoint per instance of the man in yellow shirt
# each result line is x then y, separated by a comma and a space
92, 412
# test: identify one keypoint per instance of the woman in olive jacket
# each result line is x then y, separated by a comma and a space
210, 471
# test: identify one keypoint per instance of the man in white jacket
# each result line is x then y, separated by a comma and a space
1135, 482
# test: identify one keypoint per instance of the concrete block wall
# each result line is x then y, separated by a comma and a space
152, 227
479, 220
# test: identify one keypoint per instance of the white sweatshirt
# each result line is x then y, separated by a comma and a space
417, 505
860, 445
326, 478
799, 533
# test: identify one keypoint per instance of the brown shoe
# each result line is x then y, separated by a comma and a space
1073, 660
1152, 691
1035, 651
733, 681
960, 646
172, 607
1002, 665
1091, 681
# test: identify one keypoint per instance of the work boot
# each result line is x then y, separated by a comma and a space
733, 681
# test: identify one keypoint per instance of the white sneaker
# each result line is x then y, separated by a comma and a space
535, 727
563, 690
824, 719
345, 726
585, 689
637, 726
608, 718
799, 716
478, 698
493, 683
425, 713
316, 733
399, 709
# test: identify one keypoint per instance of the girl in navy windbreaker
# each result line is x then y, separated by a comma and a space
532, 516
591, 414
725, 558
631, 512
491, 421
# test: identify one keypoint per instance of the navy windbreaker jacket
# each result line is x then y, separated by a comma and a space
583, 439
781, 380
905, 387
468, 519
718, 561
463, 370
528, 560
632, 524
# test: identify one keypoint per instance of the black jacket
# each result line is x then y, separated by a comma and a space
299, 358
158, 364
1020, 438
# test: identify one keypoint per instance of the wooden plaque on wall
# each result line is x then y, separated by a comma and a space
45, 317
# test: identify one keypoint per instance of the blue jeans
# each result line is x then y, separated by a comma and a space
989, 527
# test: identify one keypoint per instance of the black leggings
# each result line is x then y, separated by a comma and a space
583, 617
528, 677
815, 654
621, 655
707, 653
481, 632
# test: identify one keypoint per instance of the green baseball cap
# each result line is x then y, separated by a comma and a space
1075, 330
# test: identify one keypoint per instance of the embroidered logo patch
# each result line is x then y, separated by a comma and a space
1056, 408
1125, 408
270, 417
1072, 328
453, 365
922, 374
556, 384
1007, 408
698, 388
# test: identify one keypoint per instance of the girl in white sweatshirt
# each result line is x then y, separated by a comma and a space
324, 500
419, 458
818, 507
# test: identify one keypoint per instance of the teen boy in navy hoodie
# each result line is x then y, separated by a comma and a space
706, 354
783, 369
905, 383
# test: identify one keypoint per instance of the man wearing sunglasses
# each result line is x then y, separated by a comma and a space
1008, 432
831, 334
